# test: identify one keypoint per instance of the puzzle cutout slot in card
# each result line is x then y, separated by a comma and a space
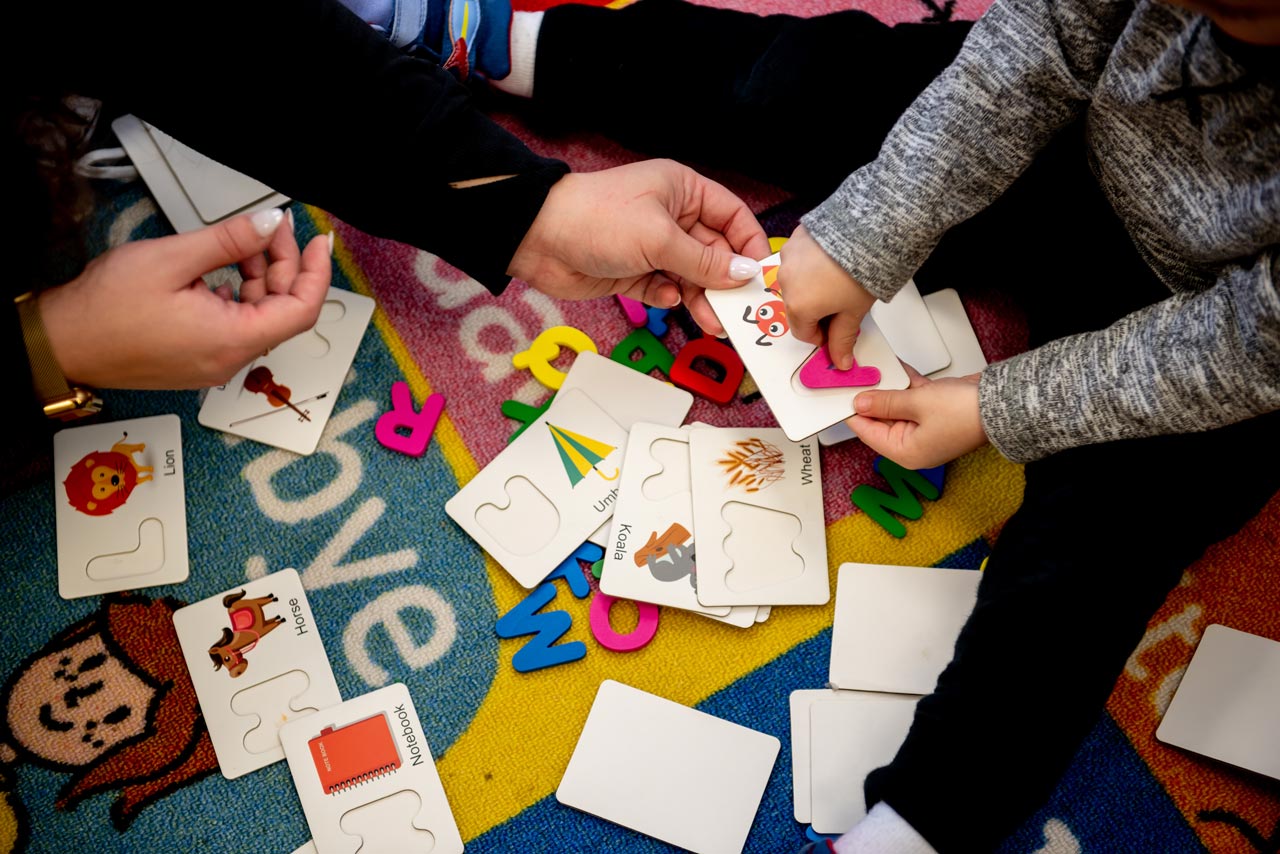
120, 506
285, 398
364, 773
257, 661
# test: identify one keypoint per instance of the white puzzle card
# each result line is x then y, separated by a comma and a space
649, 554
121, 507
285, 397
848, 735
895, 627
257, 661
758, 518
547, 491
907, 325
627, 395
366, 778
668, 771
964, 351
192, 190
1227, 706
755, 318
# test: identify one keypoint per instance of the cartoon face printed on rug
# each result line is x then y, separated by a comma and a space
109, 700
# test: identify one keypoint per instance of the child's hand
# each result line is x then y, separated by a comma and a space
141, 316
815, 288
931, 423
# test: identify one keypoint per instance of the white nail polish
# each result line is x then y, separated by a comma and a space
266, 222
742, 267
331, 244
292, 225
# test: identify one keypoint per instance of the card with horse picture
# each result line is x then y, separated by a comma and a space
804, 401
257, 662
547, 491
758, 518
649, 553
120, 506
284, 398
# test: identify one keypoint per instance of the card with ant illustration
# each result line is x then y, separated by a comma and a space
284, 398
257, 662
121, 506
758, 518
803, 402
366, 778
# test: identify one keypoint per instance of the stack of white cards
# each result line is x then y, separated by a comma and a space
932, 334
751, 500
895, 630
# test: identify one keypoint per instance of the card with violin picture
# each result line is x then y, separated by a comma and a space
284, 397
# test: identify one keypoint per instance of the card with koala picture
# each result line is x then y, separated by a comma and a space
121, 507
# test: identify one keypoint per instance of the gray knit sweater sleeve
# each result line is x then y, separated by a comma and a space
1188, 363
1027, 68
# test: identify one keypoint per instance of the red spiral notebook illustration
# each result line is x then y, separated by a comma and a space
354, 754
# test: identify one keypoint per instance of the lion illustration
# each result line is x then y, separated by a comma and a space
103, 480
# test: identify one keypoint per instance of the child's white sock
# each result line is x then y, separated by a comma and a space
883, 831
524, 50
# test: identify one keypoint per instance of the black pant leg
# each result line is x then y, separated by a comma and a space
797, 102
1103, 533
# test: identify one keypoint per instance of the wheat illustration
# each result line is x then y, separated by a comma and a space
753, 464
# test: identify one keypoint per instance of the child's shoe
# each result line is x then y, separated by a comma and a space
471, 38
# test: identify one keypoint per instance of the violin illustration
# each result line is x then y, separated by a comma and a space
260, 381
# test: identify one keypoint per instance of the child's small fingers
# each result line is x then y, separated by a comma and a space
886, 405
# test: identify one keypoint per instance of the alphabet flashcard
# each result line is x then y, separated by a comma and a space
649, 554
121, 506
755, 317
963, 350
758, 518
257, 662
285, 397
625, 394
364, 773
668, 771
895, 627
1225, 706
909, 328
547, 491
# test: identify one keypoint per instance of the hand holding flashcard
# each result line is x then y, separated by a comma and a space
120, 506
285, 397
257, 661
755, 318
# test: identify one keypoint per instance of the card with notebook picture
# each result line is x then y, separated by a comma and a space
366, 778
120, 506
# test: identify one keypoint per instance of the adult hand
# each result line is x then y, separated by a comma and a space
818, 292
655, 231
141, 316
930, 423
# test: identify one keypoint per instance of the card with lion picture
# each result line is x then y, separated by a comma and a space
121, 506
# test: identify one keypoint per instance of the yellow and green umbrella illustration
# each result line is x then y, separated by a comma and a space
580, 454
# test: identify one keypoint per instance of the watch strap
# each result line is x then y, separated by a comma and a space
57, 396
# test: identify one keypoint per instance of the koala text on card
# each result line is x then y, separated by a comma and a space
364, 773
257, 661
121, 507
758, 518
285, 397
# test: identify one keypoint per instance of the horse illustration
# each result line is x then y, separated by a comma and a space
248, 625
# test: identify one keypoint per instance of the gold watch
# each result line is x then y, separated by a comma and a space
59, 398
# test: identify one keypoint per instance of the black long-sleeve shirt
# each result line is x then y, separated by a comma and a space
368, 133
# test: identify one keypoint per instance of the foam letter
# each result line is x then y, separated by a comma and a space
653, 354
877, 504
419, 424
541, 650
721, 354
546, 348
645, 629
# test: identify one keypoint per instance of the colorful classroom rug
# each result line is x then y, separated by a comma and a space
402, 595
